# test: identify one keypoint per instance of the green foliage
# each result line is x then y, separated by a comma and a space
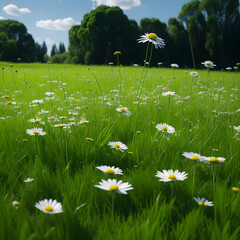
59, 58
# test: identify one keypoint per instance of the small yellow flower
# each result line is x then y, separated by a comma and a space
89, 139
110, 63
9, 102
214, 149
130, 153
238, 64
160, 63
135, 166
117, 53
24, 140
6, 96
235, 189
138, 132
15, 203
11, 65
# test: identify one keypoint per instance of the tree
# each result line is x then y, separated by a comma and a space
19, 44
54, 50
61, 48
41, 50
102, 32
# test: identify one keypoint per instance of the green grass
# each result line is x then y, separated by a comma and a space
63, 163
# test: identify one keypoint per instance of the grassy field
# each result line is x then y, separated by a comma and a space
80, 119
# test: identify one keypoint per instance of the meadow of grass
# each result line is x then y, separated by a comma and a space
63, 162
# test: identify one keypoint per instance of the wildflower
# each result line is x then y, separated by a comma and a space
115, 186
174, 65
229, 69
61, 125
49, 206
89, 139
24, 140
169, 93
28, 180
123, 110
83, 121
237, 128
15, 203
163, 127
49, 94
130, 153
170, 175
117, 53
138, 132
110, 170
110, 63
159, 63
118, 145
203, 202
152, 38
194, 74
235, 189
212, 159
208, 64
36, 120
37, 101
192, 156
36, 131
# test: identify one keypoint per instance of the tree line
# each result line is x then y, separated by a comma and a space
17, 44
207, 29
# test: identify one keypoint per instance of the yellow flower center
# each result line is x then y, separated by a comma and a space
117, 145
24, 140
109, 171
36, 132
89, 139
164, 128
37, 121
117, 53
171, 176
113, 188
48, 208
15, 203
123, 110
213, 159
138, 132
208, 63
200, 203
205, 204
82, 121
10, 102
130, 153
61, 125
235, 189
152, 36
194, 157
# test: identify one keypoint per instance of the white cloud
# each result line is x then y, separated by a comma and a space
124, 4
58, 24
12, 9
1, 18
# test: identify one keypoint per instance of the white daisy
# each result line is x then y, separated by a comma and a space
194, 74
237, 128
208, 64
170, 175
192, 156
37, 101
123, 110
152, 38
35, 132
228, 68
118, 145
83, 121
174, 65
61, 125
28, 180
212, 159
203, 202
169, 93
163, 127
110, 170
115, 186
49, 206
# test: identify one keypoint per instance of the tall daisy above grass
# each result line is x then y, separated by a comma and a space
110, 170
163, 127
208, 64
203, 202
170, 175
118, 146
49, 206
152, 38
194, 74
36, 132
123, 110
113, 185
174, 65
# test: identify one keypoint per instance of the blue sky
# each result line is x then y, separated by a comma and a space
50, 20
